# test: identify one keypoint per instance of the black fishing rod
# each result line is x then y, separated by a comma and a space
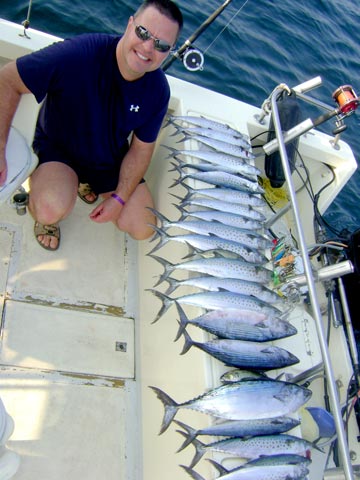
187, 45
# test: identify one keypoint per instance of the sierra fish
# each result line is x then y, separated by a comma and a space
207, 243
222, 160
222, 179
214, 284
249, 399
222, 206
231, 219
243, 353
241, 170
216, 301
241, 428
254, 447
222, 136
204, 122
276, 472
225, 147
239, 325
226, 195
250, 239
218, 267
240, 374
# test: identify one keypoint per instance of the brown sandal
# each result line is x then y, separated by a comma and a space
51, 230
85, 189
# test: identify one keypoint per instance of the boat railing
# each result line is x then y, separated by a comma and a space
279, 143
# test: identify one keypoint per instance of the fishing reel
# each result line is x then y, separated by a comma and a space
193, 59
348, 102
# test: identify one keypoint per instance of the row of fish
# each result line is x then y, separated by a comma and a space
223, 227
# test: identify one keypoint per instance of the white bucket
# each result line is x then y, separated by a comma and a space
21, 161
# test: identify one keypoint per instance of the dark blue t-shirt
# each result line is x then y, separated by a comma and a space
89, 109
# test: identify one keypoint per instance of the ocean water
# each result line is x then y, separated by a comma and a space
253, 46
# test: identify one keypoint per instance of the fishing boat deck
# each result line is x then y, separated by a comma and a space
79, 350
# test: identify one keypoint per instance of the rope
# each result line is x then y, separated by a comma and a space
226, 26
26, 22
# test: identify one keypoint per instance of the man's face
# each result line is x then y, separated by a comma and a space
136, 56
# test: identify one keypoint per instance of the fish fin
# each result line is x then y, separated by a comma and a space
192, 433
222, 470
167, 301
199, 447
171, 407
183, 321
188, 342
192, 473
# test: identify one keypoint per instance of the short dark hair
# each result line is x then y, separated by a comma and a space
165, 7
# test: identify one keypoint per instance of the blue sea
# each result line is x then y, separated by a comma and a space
253, 46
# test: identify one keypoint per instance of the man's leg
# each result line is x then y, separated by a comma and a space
135, 217
53, 192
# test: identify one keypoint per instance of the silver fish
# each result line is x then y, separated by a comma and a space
208, 243
241, 428
249, 399
226, 195
239, 325
223, 160
224, 147
216, 301
223, 136
280, 459
241, 170
204, 123
214, 284
228, 207
253, 240
243, 353
238, 375
271, 461
221, 179
231, 219
254, 447
218, 267
273, 472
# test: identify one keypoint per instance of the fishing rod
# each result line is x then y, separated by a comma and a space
192, 58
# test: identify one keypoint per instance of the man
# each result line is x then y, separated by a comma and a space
97, 90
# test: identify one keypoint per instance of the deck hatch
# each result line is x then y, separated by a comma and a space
55, 339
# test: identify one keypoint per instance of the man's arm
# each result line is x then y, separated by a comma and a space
11, 89
133, 169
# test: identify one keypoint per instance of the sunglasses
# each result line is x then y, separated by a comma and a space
144, 35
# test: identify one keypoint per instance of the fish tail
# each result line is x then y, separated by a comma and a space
222, 470
160, 216
173, 284
183, 211
168, 268
164, 238
188, 341
192, 433
167, 301
183, 321
192, 473
199, 447
170, 406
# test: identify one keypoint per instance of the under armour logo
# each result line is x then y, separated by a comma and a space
134, 108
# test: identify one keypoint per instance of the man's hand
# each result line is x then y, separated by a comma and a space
3, 171
108, 211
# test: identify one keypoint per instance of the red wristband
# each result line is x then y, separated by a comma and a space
117, 198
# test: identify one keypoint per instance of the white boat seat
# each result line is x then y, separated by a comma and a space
21, 162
